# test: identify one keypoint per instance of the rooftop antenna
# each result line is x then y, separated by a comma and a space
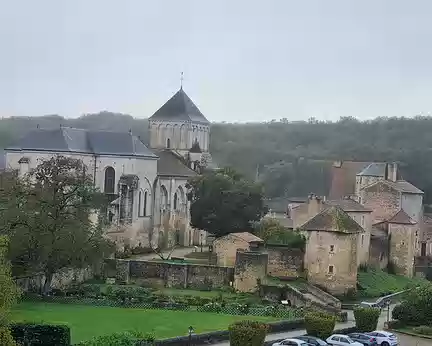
181, 81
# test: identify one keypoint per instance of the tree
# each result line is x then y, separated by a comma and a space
272, 232
225, 202
50, 218
8, 294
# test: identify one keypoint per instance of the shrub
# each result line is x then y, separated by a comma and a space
366, 318
41, 334
416, 309
424, 330
319, 324
394, 324
249, 333
119, 339
6, 338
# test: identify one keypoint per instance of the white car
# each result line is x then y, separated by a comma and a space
290, 342
342, 340
384, 338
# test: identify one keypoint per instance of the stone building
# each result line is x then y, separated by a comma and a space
146, 186
331, 250
226, 247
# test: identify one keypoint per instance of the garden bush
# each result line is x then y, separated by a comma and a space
366, 318
41, 334
319, 324
120, 339
249, 333
424, 330
416, 309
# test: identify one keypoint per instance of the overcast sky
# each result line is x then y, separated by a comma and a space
243, 60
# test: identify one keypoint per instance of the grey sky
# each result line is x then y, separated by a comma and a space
244, 60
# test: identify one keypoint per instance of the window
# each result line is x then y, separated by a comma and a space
109, 180
344, 340
175, 201
362, 239
362, 221
145, 204
331, 248
139, 203
423, 249
168, 143
330, 269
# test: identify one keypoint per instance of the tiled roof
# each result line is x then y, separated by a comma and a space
169, 164
400, 185
333, 219
249, 237
71, 140
375, 169
348, 205
401, 218
343, 178
180, 108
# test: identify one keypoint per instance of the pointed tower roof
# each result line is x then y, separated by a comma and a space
180, 108
402, 218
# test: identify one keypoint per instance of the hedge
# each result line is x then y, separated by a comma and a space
41, 334
320, 324
6, 338
366, 318
249, 333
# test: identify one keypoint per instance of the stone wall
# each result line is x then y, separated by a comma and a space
249, 271
284, 262
378, 252
226, 248
172, 274
61, 279
383, 200
402, 248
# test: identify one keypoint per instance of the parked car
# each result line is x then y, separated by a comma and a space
311, 340
363, 338
342, 340
370, 305
291, 342
384, 338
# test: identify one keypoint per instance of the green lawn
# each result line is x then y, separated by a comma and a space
377, 283
90, 321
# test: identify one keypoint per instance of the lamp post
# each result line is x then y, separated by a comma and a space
201, 241
190, 330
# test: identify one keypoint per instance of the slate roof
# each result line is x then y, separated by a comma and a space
402, 218
400, 185
327, 220
180, 108
169, 164
71, 140
343, 178
348, 205
375, 169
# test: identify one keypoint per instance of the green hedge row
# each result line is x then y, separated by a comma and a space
320, 324
40, 334
249, 333
366, 318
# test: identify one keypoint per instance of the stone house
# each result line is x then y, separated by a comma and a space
331, 250
146, 185
226, 247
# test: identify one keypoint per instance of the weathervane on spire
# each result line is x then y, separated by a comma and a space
181, 80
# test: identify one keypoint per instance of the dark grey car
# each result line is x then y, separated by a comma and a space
311, 340
365, 339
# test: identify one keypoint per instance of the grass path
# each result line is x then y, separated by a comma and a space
90, 321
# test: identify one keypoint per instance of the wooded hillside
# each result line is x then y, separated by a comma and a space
290, 158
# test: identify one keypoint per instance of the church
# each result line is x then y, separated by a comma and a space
146, 185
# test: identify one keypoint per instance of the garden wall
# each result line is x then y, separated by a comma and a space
176, 275
61, 279
284, 262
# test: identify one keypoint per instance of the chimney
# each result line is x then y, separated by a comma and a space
315, 205
391, 171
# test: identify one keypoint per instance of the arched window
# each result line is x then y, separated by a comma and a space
139, 204
175, 201
109, 180
145, 204
168, 143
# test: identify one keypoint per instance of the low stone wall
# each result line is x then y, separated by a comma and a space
177, 275
284, 262
324, 296
61, 279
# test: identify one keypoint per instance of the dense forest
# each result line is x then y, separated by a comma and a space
290, 158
